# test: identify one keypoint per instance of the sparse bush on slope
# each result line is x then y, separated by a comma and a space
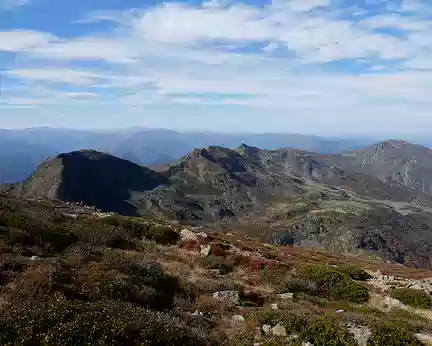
412, 297
216, 262
336, 285
355, 273
95, 323
385, 334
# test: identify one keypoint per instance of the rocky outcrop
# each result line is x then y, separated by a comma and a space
388, 282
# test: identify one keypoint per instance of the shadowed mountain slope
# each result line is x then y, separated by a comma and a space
93, 178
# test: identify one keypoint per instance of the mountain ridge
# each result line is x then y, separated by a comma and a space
284, 196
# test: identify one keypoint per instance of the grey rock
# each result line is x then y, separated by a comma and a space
279, 330
238, 318
360, 333
266, 328
186, 234
231, 297
424, 338
205, 250
286, 295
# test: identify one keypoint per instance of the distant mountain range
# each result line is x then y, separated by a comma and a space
22, 150
377, 199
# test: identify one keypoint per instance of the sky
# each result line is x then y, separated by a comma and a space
329, 67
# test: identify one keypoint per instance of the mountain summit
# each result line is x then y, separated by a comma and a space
91, 177
398, 163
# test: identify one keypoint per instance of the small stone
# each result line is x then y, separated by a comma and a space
416, 287
392, 303
231, 297
360, 333
238, 318
340, 311
293, 337
186, 234
286, 295
279, 330
424, 338
33, 258
205, 250
266, 328
274, 306
203, 235
307, 343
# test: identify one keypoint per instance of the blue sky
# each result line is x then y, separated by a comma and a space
310, 66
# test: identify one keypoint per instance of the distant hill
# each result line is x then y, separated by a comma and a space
22, 150
397, 163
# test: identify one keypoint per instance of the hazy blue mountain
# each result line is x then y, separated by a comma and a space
22, 150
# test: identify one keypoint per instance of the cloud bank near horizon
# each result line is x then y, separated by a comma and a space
304, 65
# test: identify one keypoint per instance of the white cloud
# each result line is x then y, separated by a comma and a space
23, 40
92, 48
268, 59
173, 28
82, 95
415, 6
56, 75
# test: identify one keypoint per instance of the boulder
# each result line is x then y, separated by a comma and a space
205, 250
230, 297
360, 333
424, 338
393, 303
186, 234
279, 330
238, 318
266, 328
286, 295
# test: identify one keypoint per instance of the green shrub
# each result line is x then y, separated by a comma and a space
122, 232
292, 322
50, 233
162, 234
385, 334
215, 262
333, 284
100, 323
325, 331
299, 285
355, 273
412, 297
144, 283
